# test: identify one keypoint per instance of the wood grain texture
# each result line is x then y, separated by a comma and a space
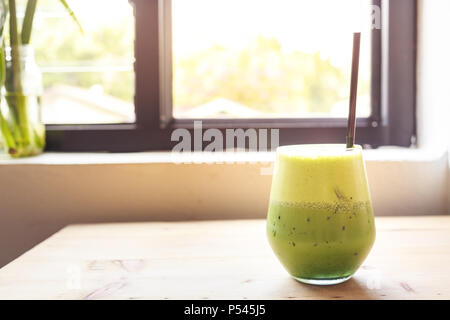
221, 260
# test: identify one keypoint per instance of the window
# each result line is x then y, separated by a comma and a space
290, 59
255, 64
88, 77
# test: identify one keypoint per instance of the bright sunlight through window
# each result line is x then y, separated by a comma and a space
87, 78
267, 58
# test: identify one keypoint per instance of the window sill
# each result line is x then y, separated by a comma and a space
207, 186
386, 154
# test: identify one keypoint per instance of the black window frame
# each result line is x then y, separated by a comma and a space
392, 121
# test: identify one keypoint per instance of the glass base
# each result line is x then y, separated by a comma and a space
323, 282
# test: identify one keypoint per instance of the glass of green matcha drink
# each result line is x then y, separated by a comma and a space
320, 222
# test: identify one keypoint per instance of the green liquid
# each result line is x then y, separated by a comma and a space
321, 240
320, 222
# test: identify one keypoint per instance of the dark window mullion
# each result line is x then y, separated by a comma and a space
401, 46
146, 64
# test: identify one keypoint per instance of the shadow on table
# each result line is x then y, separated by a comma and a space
353, 289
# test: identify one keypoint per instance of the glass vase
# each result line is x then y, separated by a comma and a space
21, 127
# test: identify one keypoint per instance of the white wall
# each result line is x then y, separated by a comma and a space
433, 78
433, 74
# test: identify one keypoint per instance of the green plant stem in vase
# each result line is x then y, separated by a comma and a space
21, 81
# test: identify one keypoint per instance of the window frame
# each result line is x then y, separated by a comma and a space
392, 121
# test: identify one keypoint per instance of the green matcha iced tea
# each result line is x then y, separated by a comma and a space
320, 222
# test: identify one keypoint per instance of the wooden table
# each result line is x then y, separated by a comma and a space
220, 260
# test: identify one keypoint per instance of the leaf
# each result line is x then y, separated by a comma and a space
27, 24
29, 17
72, 14
2, 65
15, 50
13, 34
3, 16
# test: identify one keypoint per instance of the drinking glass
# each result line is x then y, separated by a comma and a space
320, 221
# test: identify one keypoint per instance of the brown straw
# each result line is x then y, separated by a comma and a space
351, 126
